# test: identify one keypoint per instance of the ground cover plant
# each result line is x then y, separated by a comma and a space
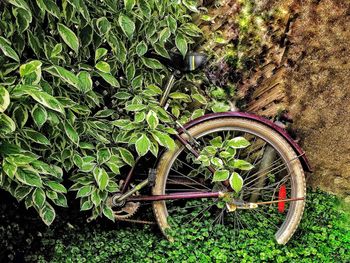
323, 236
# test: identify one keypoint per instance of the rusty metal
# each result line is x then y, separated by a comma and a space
136, 221
186, 195
283, 200
129, 177
127, 211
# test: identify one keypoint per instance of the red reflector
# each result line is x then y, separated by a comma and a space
282, 194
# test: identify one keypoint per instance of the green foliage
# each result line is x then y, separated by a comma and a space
323, 236
78, 96
221, 156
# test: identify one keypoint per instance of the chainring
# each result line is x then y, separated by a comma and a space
125, 210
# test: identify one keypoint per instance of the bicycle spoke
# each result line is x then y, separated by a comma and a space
263, 184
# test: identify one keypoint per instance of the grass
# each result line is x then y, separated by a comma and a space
323, 236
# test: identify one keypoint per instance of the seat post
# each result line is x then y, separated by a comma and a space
167, 90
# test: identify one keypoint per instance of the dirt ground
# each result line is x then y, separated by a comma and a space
318, 88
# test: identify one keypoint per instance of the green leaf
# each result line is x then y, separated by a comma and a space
127, 25
129, 4
87, 205
29, 177
221, 175
191, 5
152, 119
217, 162
4, 99
141, 48
84, 191
225, 155
68, 37
103, 66
22, 191
9, 168
114, 164
121, 123
155, 89
216, 142
238, 143
20, 115
220, 107
95, 197
135, 107
57, 187
164, 139
145, 8
171, 21
104, 113
103, 155
56, 50
100, 53
85, 81
20, 3
236, 182
164, 35
21, 159
200, 98
64, 74
23, 18
46, 100
204, 160
130, 71
109, 79
6, 48
71, 132
39, 197
103, 25
61, 200
108, 212
101, 177
39, 115
50, 6
137, 81
142, 145
180, 96
127, 156
181, 44
241, 164
36, 137
152, 63
161, 50
210, 150
7, 125
29, 68
47, 214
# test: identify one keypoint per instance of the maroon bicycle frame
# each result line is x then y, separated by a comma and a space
184, 142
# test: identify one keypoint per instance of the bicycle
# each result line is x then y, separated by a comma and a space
184, 188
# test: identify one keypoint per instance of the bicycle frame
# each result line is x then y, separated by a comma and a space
127, 195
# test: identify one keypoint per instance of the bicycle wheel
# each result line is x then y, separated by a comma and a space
277, 175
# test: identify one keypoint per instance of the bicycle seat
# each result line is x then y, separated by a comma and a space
191, 62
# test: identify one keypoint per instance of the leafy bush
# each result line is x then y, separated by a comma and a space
78, 94
323, 236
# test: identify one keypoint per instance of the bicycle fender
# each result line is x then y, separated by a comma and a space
298, 150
